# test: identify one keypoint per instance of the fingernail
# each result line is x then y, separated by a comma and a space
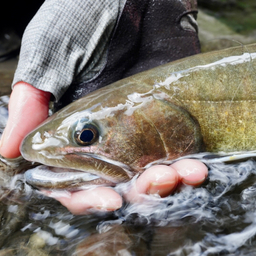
106, 208
193, 176
109, 205
193, 182
161, 189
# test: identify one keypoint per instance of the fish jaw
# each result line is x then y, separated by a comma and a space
107, 170
53, 178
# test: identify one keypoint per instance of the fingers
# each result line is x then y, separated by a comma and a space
191, 172
97, 199
162, 180
158, 179
28, 107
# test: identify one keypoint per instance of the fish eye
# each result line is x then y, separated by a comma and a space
87, 136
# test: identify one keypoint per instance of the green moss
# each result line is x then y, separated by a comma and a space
240, 16
242, 22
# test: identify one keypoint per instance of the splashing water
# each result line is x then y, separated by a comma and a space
217, 218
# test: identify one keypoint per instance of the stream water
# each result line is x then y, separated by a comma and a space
217, 218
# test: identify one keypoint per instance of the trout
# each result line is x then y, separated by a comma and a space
202, 103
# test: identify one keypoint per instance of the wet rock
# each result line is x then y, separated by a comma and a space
36, 241
20, 245
7, 252
113, 242
12, 216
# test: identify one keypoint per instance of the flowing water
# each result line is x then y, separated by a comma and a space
217, 218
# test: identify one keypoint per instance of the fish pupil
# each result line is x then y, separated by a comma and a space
86, 136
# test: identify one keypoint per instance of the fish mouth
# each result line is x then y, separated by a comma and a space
55, 178
103, 171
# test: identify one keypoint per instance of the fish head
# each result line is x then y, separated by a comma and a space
93, 140
113, 137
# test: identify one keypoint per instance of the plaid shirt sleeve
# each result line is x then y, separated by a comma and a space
66, 41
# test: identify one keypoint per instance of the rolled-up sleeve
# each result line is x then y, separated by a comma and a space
66, 39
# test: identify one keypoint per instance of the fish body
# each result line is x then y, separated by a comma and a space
205, 102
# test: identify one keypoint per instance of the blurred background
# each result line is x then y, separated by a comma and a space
226, 23
222, 24
14, 17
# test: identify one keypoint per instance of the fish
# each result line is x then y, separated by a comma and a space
202, 103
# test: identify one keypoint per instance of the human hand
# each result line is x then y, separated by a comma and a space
28, 107
159, 180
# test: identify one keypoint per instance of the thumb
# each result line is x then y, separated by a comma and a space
28, 107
